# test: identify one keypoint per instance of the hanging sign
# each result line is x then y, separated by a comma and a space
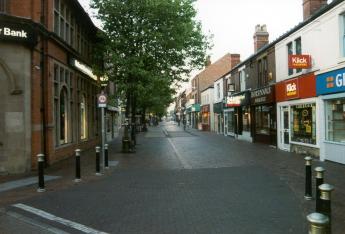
299, 61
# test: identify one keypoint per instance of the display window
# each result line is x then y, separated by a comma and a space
246, 118
303, 123
231, 121
262, 119
205, 117
335, 117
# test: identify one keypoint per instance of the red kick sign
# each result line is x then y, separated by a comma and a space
299, 61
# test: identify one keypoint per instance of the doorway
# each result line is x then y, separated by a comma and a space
285, 133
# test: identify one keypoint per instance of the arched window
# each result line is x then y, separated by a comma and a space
83, 122
63, 116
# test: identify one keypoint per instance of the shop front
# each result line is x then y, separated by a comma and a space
264, 115
330, 87
218, 117
205, 117
195, 115
238, 116
298, 122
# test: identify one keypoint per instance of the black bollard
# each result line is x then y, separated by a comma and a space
318, 223
325, 202
77, 166
308, 182
40, 158
319, 180
98, 161
106, 159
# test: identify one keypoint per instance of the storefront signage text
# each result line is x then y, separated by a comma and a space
83, 68
291, 89
263, 95
299, 61
242, 99
17, 32
331, 82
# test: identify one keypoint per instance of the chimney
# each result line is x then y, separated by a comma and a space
260, 37
208, 61
312, 6
234, 59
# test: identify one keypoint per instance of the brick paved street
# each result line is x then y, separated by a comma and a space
180, 182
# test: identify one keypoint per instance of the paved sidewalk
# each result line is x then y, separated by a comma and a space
287, 166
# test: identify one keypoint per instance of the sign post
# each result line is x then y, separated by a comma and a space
102, 103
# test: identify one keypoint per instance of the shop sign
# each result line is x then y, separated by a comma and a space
291, 89
238, 100
263, 95
299, 61
331, 82
17, 32
83, 68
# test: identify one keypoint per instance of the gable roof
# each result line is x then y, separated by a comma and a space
217, 69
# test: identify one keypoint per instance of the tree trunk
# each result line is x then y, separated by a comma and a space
125, 138
143, 119
133, 109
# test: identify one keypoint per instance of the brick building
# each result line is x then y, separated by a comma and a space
47, 87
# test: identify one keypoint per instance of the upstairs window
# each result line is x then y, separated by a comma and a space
262, 72
218, 91
2, 6
242, 80
342, 35
294, 48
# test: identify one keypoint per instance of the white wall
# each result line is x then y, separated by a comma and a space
320, 39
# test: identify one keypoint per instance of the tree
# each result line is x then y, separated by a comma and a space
148, 40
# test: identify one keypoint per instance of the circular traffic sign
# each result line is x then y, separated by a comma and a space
102, 99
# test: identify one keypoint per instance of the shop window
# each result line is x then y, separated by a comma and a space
83, 112
262, 120
335, 117
63, 116
3, 6
242, 80
205, 118
303, 123
246, 118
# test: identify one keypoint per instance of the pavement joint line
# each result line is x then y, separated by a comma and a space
24, 182
184, 163
57, 219
35, 223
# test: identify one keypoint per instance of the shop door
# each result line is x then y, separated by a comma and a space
285, 133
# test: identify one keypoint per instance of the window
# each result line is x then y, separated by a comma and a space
83, 127
294, 47
242, 81
303, 123
290, 52
3, 5
298, 46
335, 117
262, 120
63, 116
218, 91
246, 118
342, 34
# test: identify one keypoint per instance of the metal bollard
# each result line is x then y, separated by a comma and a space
319, 181
318, 223
106, 160
325, 202
98, 161
77, 166
40, 158
308, 183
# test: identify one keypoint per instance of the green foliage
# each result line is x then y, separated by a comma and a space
150, 44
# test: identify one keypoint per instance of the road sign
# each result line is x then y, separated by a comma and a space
102, 100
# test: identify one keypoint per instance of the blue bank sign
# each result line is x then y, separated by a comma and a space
331, 82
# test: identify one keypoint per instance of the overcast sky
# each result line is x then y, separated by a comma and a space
232, 22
